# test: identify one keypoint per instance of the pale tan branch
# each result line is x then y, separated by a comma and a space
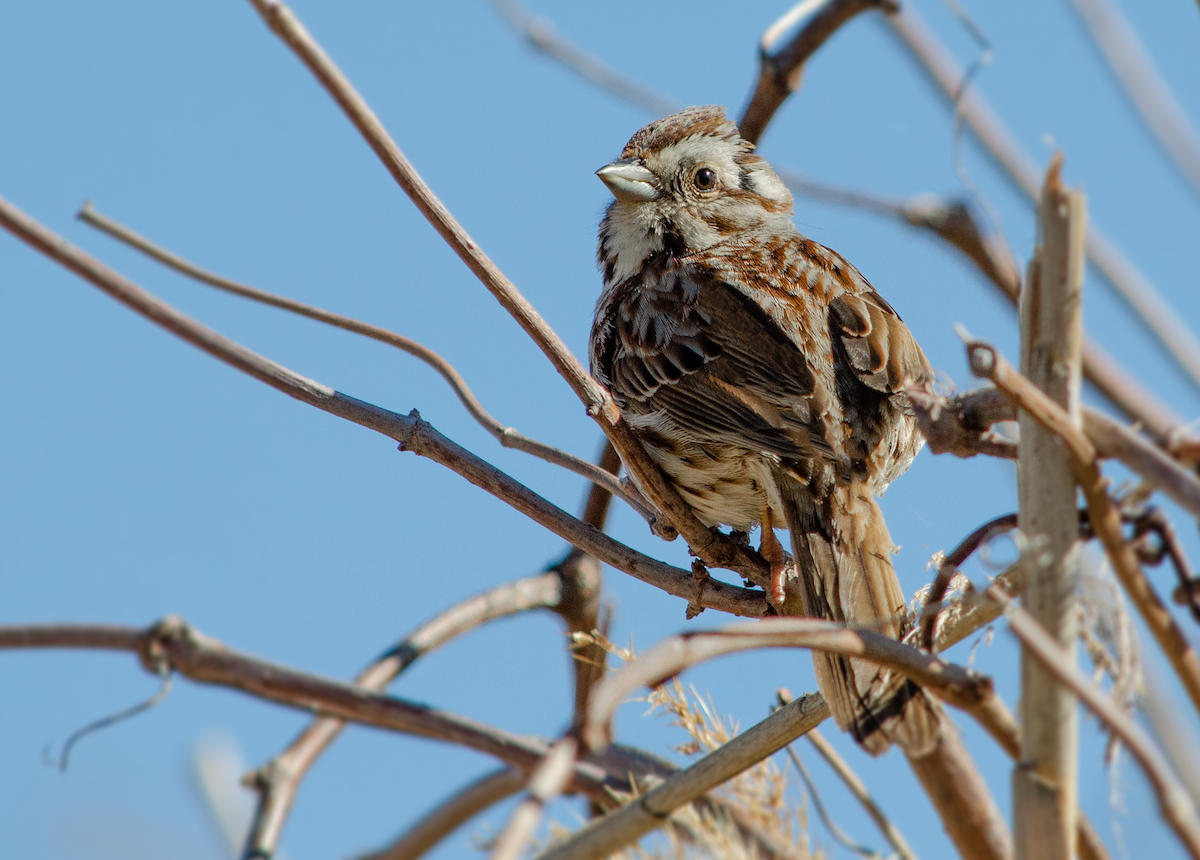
987, 362
1174, 800
410, 431
1145, 88
451, 814
509, 437
711, 546
781, 66
1045, 788
819, 805
279, 779
651, 810
546, 782
936, 60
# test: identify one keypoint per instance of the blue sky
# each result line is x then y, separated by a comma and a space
139, 477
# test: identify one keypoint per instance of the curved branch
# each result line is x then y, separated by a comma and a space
279, 779
508, 437
410, 431
954, 684
781, 68
710, 545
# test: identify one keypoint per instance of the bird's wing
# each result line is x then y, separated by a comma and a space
708, 360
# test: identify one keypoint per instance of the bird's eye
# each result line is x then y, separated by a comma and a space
705, 179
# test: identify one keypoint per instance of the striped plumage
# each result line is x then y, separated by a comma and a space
763, 374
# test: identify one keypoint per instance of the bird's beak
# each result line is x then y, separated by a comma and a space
629, 182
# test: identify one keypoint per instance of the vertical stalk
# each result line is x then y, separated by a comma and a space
1044, 781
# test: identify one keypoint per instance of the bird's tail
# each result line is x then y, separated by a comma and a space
843, 558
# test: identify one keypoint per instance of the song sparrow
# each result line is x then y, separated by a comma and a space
762, 372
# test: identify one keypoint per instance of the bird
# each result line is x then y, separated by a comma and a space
764, 376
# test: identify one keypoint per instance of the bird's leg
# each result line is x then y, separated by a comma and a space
772, 551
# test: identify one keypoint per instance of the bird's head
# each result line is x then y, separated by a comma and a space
683, 184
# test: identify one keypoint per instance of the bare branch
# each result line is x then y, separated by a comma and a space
1174, 801
1117, 269
410, 431
651, 810
987, 362
711, 546
836, 832
782, 65
1122, 443
506, 436
1045, 790
452, 814
279, 779
1146, 90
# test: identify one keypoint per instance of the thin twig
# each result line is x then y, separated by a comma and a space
1174, 800
509, 437
949, 567
711, 546
410, 431
836, 832
1153, 520
936, 60
279, 779
987, 362
1145, 88
451, 814
842, 768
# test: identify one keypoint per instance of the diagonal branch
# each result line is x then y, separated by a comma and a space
506, 436
410, 431
711, 546
1151, 97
